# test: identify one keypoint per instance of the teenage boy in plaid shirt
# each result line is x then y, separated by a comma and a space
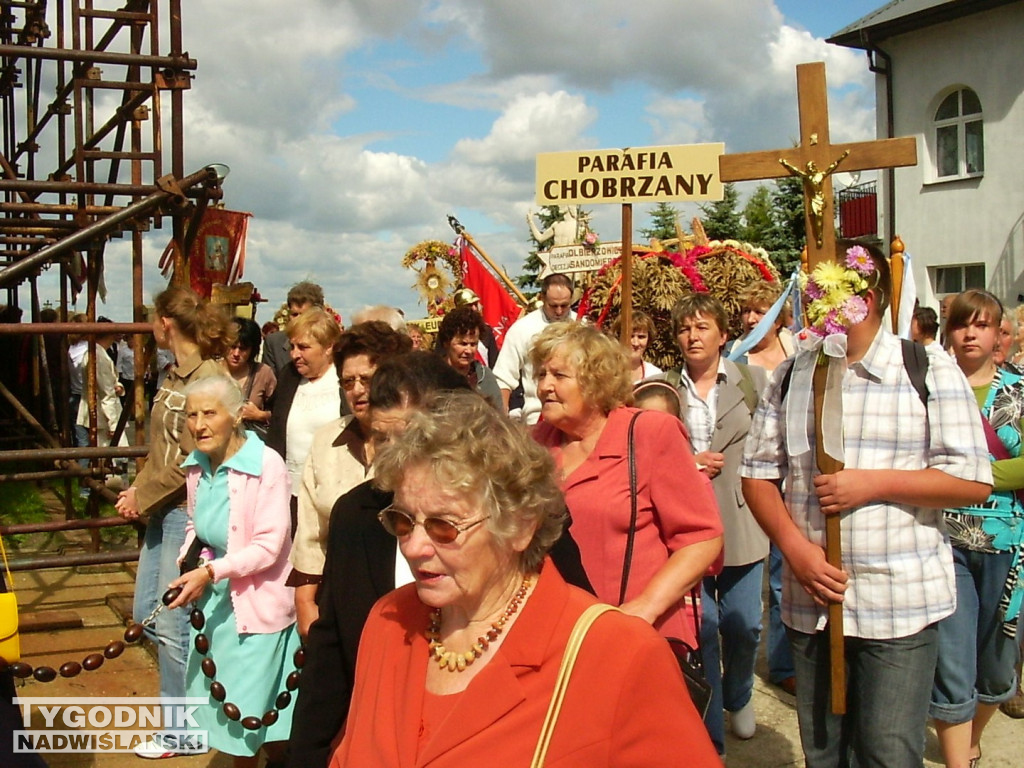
905, 460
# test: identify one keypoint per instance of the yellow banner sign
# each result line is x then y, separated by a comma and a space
635, 175
427, 324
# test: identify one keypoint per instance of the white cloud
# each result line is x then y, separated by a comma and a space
795, 46
678, 121
530, 124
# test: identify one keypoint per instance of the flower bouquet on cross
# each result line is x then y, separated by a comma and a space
834, 293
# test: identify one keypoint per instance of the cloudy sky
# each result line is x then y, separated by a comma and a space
352, 127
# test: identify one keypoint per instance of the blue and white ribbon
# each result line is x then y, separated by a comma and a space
767, 323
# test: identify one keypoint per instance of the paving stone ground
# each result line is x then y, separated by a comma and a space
97, 593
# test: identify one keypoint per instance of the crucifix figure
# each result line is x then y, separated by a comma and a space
814, 153
813, 181
815, 147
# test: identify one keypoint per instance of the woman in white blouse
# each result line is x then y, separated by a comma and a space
308, 392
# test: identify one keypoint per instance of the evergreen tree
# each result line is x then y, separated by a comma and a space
663, 223
758, 224
721, 219
788, 216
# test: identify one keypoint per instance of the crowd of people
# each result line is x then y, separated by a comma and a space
431, 525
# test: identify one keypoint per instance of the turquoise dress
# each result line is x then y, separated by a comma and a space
252, 667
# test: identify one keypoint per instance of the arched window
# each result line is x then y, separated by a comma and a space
959, 136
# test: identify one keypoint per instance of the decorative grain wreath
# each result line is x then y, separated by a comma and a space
722, 269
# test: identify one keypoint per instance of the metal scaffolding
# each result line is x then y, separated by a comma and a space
85, 89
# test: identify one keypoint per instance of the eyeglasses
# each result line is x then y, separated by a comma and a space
349, 382
441, 531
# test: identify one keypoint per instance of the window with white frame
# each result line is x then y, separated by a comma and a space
959, 136
957, 278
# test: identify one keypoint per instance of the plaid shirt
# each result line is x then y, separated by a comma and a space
897, 556
701, 415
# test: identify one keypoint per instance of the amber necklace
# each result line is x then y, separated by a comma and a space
457, 662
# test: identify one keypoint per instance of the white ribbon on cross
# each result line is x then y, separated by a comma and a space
811, 347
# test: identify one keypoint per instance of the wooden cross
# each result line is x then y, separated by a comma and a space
814, 160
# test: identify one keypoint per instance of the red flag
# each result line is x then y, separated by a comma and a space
497, 306
218, 253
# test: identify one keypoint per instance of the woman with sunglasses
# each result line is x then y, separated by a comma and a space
979, 643
458, 668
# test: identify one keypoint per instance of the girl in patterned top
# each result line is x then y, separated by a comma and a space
987, 546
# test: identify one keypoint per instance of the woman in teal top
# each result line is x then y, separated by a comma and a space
987, 546
238, 494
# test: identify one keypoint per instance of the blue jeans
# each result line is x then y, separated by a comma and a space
780, 657
729, 633
79, 434
158, 567
888, 687
987, 675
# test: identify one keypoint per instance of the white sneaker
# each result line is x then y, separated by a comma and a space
153, 748
743, 722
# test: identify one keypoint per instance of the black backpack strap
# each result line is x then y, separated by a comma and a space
915, 361
787, 378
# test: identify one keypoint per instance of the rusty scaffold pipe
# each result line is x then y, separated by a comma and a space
170, 191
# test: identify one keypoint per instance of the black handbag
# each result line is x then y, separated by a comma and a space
193, 556
691, 660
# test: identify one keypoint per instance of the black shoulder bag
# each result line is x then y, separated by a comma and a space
691, 661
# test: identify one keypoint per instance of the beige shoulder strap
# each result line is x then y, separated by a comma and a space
572, 649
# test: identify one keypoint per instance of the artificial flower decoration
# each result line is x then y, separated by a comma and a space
835, 293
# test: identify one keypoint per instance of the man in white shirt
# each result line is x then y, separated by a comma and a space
513, 366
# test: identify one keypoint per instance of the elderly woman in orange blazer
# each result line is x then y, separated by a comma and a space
458, 668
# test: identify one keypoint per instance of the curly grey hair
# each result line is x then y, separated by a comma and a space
472, 449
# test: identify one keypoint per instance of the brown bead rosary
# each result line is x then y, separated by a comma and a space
133, 634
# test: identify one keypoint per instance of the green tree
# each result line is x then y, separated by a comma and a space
663, 223
721, 219
758, 224
788, 216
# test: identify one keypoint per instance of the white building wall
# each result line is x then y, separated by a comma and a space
970, 220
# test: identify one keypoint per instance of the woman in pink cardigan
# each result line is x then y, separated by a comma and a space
238, 494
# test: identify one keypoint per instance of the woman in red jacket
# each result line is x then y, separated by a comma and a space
459, 667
